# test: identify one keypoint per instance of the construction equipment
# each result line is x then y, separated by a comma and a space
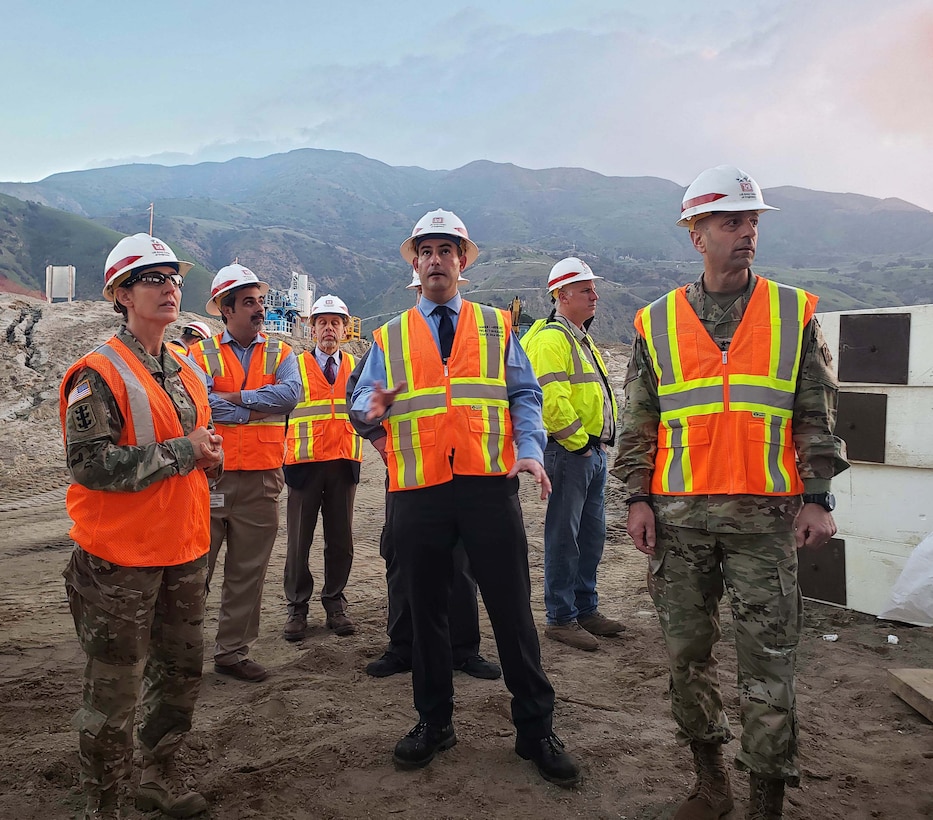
289, 312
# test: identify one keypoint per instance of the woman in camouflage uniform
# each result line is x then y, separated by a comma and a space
140, 448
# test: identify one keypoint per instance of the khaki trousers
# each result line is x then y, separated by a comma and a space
247, 518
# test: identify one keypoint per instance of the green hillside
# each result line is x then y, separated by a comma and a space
340, 217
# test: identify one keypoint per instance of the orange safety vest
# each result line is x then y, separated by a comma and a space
319, 427
167, 523
256, 445
177, 347
453, 418
725, 425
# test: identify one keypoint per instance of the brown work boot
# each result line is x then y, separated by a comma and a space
571, 634
340, 623
711, 797
296, 627
104, 805
598, 624
161, 788
765, 798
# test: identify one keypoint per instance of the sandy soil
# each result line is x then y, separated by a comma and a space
315, 739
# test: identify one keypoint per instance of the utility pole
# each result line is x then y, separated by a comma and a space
151, 213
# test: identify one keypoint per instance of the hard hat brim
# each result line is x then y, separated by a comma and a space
408, 252
183, 269
213, 306
684, 221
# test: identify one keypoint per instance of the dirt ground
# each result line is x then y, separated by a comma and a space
315, 739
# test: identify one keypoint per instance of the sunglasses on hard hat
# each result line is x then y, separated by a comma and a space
156, 279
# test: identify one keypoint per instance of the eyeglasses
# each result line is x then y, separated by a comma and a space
156, 279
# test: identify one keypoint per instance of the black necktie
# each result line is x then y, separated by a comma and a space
330, 370
445, 330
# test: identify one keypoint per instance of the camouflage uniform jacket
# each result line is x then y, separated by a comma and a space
821, 455
93, 426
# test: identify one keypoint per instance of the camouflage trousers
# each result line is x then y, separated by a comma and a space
140, 627
686, 579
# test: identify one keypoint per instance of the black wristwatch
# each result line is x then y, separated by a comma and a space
826, 500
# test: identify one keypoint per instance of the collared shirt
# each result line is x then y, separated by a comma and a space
525, 398
277, 399
821, 455
321, 358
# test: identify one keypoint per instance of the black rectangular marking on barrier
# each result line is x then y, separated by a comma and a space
874, 347
822, 572
861, 422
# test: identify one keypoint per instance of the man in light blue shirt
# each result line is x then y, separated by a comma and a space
480, 507
253, 383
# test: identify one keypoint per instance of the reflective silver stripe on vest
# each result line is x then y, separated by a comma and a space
694, 397
211, 349
774, 449
404, 431
201, 375
419, 403
758, 395
789, 306
677, 481
140, 408
273, 348
466, 393
660, 338
494, 362
319, 411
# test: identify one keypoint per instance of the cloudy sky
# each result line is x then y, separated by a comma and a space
827, 94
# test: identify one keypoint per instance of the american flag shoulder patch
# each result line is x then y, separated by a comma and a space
79, 392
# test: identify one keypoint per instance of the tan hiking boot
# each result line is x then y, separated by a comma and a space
765, 798
598, 624
711, 797
571, 634
161, 788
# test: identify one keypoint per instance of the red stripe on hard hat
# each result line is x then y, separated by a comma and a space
553, 283
221, 286
701, 200
125, 262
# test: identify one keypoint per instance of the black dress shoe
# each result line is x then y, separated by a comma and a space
388, 664
478, 667
422, 743
554, 764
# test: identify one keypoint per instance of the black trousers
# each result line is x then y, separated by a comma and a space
463, 612
328, 488
483, 512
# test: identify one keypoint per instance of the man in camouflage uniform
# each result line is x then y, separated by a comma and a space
139, 624
701, 543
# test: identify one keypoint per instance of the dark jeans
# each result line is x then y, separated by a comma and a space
483, 512
574, 531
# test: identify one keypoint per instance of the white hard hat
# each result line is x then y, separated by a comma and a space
416, 280
440, 223
227, 279
198, 328
135, 252
723, 188
329, 304
569, 270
